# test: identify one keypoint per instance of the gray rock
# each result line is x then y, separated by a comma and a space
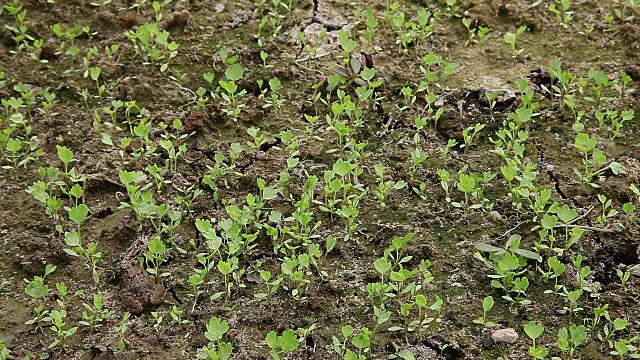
506, 336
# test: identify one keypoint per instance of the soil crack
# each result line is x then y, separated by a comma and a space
552, 176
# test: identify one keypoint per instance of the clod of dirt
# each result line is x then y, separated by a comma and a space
178, 20
130, 20
607, 259
138, 289
49, 49
451, 350
540, 77
194, 122
326, 15
123, 231
633, 70
238, 19
423, 352
475, 100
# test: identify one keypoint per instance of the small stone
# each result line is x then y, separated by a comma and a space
261, 155
219, 7
496, 216
636, 271
507, 336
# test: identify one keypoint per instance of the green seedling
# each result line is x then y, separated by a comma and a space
509, 265
385, 187
471, 31
73, 239
280, 345
120, 330
569, 340
595, 165
611, 328
272, 286
37, 289
58, 327
469, 134
94, 316
533, 331
625, 275
512, 38
154, 256
561, 10
487, 305
573, 297
176, 315
217, 349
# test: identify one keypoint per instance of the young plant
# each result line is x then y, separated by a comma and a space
95, 315
471, 31
58, 327
155, 257
487, 305
469, 134
121, 329
272, 286
280, 345
37, 289
594, 164
512, 38
569, 340
561, 10
231, 106
217, 349
385, 187
533, 331
509, 264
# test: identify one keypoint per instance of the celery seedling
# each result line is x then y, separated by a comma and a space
512, 38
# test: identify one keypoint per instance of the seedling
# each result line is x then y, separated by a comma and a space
599, 82
37, 289
435, 70
58, 327
512, 38
385, 187
274, 100
561, 9
468, 185
471, 32
487, 305
622, 87
533, 331
587, 145
508, 264
95, 315
469, 134
73, 239
120, 330
625, 275
556, 268
483, 34
491, 99
280, 345
272, 286
155, 257
573, 297
217, 349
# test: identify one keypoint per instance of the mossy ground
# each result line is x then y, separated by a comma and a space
444, 235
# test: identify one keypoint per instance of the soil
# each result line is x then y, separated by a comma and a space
336, 295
